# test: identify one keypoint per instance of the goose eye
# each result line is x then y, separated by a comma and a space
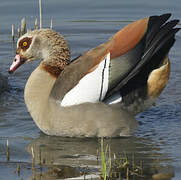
25, 44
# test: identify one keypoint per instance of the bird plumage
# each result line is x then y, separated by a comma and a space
125, 74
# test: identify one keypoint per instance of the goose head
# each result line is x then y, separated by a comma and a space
43, 44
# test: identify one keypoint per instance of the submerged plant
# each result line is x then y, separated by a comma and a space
103, 160
118, 167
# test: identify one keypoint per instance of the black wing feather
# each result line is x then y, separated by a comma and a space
159, 38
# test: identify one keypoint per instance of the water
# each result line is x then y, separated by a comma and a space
85, 24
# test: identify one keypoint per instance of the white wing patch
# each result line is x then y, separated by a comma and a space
116, 98
91, 88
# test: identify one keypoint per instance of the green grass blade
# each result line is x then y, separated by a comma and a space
103, 160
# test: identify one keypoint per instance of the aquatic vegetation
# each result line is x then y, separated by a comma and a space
121, 167
126, 167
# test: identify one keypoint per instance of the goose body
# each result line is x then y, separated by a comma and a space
98, 93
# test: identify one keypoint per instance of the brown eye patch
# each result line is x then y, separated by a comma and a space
24, 44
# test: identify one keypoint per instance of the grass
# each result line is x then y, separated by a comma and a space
123, 167
113, 167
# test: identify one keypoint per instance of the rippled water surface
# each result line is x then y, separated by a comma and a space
85, 24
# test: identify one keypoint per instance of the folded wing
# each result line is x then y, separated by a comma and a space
122, 65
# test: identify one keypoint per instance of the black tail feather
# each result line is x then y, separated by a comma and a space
169, 40
155, 22
159, 38
164, 31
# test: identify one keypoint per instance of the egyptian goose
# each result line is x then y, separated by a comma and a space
99, 92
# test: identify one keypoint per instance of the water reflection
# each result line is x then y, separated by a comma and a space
3, 83
74, 154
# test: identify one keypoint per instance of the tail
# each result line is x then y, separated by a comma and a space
156, 42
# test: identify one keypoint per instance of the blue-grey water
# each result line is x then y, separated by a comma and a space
85, 24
